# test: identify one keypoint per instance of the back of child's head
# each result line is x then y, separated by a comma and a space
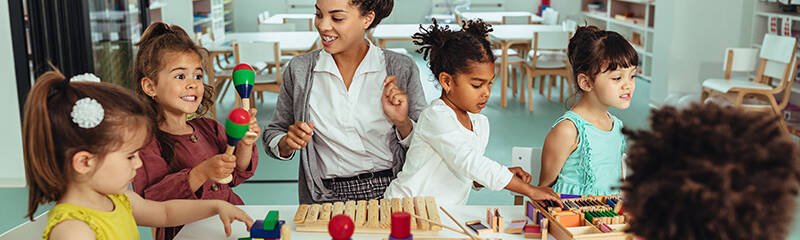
452, 51
52, 135
160, 42
592, 51
711, 173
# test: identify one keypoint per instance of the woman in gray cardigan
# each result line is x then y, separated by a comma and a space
349, 107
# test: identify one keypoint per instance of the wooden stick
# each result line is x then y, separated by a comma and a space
473, 237
439, 224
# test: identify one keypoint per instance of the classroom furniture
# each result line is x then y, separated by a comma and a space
262, 17
384, 33
500, 17
530, 160
777, 61
510, 35
28, 229
211, 228
276, 27
640, 33
550, 65
549, 17
302, 21
254, 53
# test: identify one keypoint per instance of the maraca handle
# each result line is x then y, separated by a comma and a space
229, 178
246, 103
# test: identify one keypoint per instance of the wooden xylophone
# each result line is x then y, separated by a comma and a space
373, 216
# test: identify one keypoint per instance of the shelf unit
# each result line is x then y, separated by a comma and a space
642, 10
228, 13
762, 12
209, 16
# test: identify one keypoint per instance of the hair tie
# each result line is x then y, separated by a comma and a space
87, 113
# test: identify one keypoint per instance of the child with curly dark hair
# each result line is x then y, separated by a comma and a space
446, 156
711, 173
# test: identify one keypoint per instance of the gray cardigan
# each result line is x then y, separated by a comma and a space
292, 106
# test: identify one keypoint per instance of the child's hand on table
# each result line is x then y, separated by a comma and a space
228, 213
544, 193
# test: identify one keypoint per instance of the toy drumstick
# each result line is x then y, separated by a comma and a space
236, 126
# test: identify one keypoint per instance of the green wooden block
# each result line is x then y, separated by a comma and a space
271, 220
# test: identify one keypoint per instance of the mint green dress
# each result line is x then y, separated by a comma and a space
595, 167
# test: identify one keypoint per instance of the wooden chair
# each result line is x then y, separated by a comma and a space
253, 52
262, 17
515, 61
550, 17
548, 65
777, 60
219, 77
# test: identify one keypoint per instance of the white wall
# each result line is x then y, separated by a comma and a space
405, 11
691, 37
12, 171
179, 12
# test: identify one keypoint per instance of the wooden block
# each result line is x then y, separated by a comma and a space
490, 220
433, 212
532, 231
498, 220
408, 206
570, 219
361, 213
300, 215
386, 213
397, 205
338, 209
478, 227
545, 225
516, 226
350, 209
419, 206
271, 220
373, 213
325, 213
313, 213
286, 232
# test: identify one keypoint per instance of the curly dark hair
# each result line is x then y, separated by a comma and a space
710, 172
381, 8
452, 51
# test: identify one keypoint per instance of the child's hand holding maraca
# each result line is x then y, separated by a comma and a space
216, 167
253, 132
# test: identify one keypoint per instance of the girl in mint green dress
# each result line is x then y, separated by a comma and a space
582, 154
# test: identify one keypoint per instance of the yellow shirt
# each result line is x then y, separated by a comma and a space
117, 224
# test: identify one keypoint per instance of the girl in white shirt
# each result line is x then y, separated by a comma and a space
446, 155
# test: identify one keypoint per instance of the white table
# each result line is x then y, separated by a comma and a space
497, 17
509, 35
211, 228
399, 32
281, 18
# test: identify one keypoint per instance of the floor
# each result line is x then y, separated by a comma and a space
511, 126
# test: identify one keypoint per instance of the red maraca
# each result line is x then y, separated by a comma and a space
236, 126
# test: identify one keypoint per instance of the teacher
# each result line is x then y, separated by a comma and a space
349, 108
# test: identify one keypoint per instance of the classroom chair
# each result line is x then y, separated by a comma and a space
517, 20
262, 17
28, 230
540, 65
530, 160
259, 52
777, 61
550, 17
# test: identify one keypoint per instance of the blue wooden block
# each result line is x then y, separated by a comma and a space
258, 231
